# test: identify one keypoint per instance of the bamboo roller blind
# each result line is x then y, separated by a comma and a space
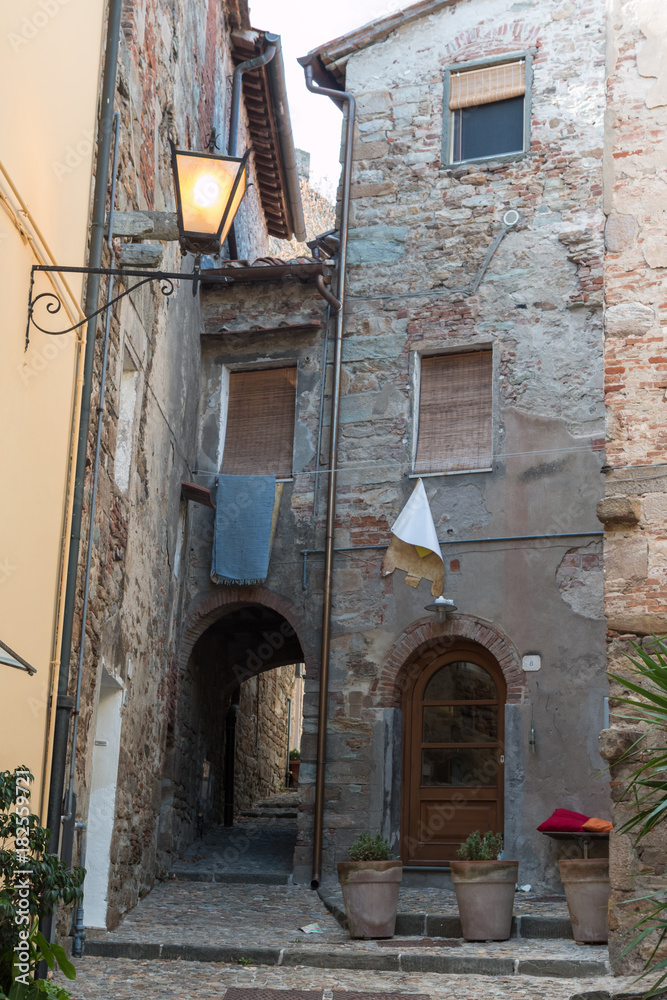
260, 423
455, 414
482, 86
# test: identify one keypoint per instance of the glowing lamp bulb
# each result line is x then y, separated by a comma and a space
206, 191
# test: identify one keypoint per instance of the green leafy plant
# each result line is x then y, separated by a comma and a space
481, 848
647, 786
295, 754
368, 848
244, 961
32, 882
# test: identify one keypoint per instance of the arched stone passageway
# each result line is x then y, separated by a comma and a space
236, 704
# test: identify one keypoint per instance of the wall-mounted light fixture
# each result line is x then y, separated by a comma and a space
209, 189
441, 607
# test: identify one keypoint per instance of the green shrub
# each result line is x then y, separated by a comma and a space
295, 755
32, 883
478, 848
367, 848
646, 793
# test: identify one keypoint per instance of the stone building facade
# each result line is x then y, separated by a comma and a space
491, 265
173, 81
439, 270
635, 505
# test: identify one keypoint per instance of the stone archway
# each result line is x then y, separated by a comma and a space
238, 644
206, 611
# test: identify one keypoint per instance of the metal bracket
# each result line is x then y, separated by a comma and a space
53, 303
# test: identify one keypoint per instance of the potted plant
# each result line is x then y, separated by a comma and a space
484, 887
370, 881
586, 882
294, 766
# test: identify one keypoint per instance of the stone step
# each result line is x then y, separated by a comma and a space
266, 813
389, 960
230, 877
448, 925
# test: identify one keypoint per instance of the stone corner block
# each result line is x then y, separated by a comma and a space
619, 231
140, 255
613, 743
619, 510
628, 319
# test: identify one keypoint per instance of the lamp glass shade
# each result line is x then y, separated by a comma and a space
209, 190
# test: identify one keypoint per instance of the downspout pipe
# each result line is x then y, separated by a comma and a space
235, 112
64, 704
320, 774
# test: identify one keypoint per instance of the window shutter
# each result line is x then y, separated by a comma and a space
455, 413
260, 423
483, 86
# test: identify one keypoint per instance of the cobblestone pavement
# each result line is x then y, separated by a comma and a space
187, 913
124, 979
248, 848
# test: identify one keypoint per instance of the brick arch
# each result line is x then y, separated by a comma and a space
425, 639
485, 41
226, 599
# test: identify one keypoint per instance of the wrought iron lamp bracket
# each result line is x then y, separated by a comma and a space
53, 303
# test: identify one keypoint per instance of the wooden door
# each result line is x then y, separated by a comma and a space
452, 755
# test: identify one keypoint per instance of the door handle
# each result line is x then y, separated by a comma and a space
502, 758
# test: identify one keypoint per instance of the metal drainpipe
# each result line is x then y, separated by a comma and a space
235, 117
79, 927
348, 99
63, 704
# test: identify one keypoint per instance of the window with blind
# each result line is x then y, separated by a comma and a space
259, 437
455, 413
487, 111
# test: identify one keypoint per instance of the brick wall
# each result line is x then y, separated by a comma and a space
635, 507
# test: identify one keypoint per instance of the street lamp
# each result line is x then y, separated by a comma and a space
440, 607
209, 190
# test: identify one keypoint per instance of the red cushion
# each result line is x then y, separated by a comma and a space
563, 821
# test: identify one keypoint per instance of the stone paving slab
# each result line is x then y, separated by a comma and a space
124, 979
244, 849
207, 922
435, 912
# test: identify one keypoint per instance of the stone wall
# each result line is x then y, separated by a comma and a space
420, 232
173, 80
261, 736
635, 507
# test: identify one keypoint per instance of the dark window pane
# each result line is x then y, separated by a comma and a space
460, 724
488, 129
461, 682
473, 767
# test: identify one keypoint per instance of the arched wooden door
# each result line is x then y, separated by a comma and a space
453, 763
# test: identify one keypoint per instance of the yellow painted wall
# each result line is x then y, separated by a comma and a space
50, 59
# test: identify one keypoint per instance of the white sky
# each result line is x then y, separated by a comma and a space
302, 26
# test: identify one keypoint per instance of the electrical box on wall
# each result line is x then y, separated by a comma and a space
531, 661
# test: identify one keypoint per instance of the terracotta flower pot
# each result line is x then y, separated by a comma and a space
294, 766
586, 882
485, 895
370, 894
